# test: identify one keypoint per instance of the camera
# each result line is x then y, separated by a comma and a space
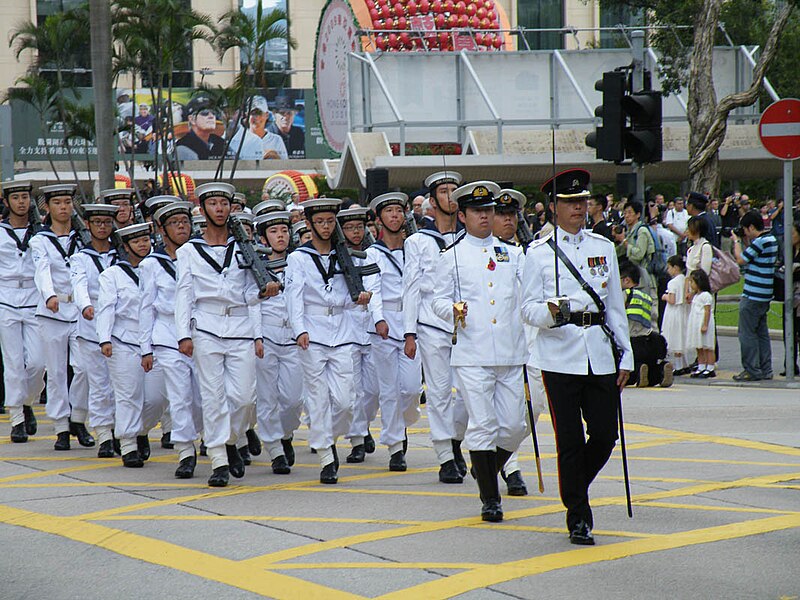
726, 232
739, 231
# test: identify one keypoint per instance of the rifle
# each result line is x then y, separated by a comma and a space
524, 233
411, 224
79, 225
368, 240
249, 257
352, 274
34, 217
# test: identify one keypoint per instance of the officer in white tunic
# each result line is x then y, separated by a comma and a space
85, 269
446, 413
398, 384
478, 291
317, 297
218, 323
573, 346
158, 338
23, 357
52, 250
279, 382
117, 323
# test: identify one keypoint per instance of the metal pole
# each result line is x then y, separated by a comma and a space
788, 284
637, 48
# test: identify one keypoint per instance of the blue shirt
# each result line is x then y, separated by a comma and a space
760, 256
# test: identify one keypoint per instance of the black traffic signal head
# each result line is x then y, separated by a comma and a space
643, 138
608, 138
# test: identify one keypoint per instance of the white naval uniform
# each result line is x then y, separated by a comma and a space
488, 356
217, 308
59, 330
318, 308
23, 361
279, 381
85, 269
365, 385
158, 336
398, 384
447, 416
564, 349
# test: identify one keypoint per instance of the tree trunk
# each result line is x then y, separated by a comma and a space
105, 135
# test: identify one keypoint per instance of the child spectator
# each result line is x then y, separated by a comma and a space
700, 331
676, 315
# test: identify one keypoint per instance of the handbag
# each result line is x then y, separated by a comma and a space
724, 270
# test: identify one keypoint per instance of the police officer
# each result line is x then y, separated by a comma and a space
573, 346
23, 359
478, 290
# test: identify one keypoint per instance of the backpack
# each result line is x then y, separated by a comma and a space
724, 270
657, 266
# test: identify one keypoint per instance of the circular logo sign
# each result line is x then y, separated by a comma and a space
336, 38
779, 129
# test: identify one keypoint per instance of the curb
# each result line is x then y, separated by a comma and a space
730, 331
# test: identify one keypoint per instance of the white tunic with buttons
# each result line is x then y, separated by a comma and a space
565, 349
16, 278
52, 275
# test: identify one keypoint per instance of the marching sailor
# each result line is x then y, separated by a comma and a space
478, 291
23, 360
53, 249
422, 327
398, 384
573, 347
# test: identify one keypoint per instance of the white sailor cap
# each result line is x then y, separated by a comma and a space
239, 198
267, 220
294, 206
318, 205
130, 232
199, 220
299, 228
12, 187
153, 203
214, 188
116, 194
392, 198
509, 200
478, 194
100, 210
179, 207
59, 189
354, 213
441, 178
245, 218
268, 206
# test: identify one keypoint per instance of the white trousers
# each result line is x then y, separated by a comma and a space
328, 382
279, 391
495, 401
156, 401
101, 393
398, 388
183, 394
447, 416
365, 387
59, 342
23, 360
226, 374
128, 381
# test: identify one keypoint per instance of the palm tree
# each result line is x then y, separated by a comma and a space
101, 52
80, 124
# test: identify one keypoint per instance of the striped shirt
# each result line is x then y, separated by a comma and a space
760, 256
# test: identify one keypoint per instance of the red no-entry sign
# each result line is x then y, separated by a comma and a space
779, 129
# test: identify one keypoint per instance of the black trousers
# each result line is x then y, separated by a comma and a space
595, 398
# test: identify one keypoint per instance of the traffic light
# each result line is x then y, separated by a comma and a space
643, 136
608, 139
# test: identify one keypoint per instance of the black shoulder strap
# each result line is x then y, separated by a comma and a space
383, 248
436, 238
326, 275
22, 244
129, 272
214, 264
167, 265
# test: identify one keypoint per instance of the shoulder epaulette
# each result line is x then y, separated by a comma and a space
541, 241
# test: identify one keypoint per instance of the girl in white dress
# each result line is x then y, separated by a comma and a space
700, 331
676, 315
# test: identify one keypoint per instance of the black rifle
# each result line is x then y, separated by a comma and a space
249, 257
79, 225
410, 224
352, 273
368, 240
34, 217
524, 233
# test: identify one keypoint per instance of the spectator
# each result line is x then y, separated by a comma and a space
700, 329
427, 213
696, 206
795, 297
765, 216
676, 315
201, 143
759, 259
730, 214
597, 207
715, 217
775, 214
638, 246
700, 255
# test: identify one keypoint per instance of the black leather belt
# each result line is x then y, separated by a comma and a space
586, 319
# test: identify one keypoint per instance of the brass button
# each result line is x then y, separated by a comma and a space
484, 249
491, 284
491, 301
494, 321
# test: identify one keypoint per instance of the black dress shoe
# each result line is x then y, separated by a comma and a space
106, 449
79, 431
397, 462
581, 534
132, 460
515, 484
166, 441
143, 446
458, 457
492, 511
357, 455
288, 451
328, 474
235, 463
244, 452
219, 478
62, 441
31, 426
253, 443
203, 448
745, 376
280, 466
369, 444
449, 473
18, 434
186, 467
